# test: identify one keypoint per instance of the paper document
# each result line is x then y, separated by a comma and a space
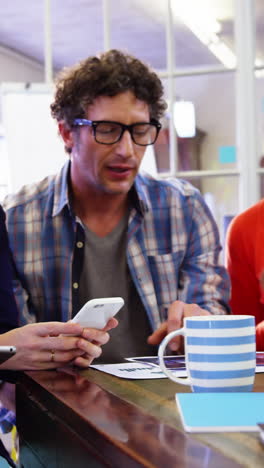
144, 367
147, 367
130, 370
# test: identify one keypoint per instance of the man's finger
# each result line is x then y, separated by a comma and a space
176, 343
158, 335
175, 315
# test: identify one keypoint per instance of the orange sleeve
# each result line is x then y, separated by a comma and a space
241, 249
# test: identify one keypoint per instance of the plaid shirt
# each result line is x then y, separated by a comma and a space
172, 249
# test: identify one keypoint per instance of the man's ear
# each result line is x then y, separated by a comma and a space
67, 135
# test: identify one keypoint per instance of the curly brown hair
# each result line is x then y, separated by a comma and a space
108, 74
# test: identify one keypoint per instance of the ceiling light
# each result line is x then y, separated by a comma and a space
184, 119
205, 26
223, 53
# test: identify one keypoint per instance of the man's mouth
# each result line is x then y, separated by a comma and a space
120, 169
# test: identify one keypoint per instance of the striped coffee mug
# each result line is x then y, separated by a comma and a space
220, 353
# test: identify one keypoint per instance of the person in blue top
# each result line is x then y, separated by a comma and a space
100, 228
8, 308
37, 344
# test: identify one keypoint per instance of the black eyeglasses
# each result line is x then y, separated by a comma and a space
108, 132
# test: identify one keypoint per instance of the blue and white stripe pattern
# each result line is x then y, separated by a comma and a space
221, 353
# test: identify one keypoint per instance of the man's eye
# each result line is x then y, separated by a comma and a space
107, 128
142, 130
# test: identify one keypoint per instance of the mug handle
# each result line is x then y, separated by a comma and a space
162, 347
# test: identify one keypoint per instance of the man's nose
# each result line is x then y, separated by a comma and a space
126, 145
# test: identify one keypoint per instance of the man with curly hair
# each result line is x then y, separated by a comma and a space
99, 228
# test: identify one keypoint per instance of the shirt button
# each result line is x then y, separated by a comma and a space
75, 285
79, 244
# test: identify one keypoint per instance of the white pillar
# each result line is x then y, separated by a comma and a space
47, 42
246, 134
171, 88
106, 24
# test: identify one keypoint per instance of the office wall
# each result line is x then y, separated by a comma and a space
17, 68
13, 68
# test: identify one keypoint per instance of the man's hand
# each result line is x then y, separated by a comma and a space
49, 345
176, 313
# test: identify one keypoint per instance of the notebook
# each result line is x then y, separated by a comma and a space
221, 412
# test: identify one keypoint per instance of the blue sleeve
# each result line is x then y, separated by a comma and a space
8, 308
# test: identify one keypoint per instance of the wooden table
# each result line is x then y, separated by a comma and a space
91, 419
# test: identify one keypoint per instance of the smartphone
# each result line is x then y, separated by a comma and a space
96, 312
6, 352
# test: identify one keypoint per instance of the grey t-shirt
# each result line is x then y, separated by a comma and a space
106, 274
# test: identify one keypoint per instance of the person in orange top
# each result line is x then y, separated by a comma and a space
245, 264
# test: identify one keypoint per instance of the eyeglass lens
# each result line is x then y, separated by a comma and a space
110, 132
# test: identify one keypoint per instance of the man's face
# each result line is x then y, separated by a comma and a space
108, 168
